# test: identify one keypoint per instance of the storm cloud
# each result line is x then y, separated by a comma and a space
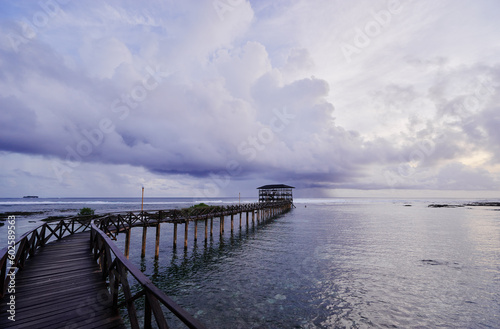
207, 99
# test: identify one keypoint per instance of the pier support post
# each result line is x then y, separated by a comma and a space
127, 242
253, 217
232, 225
175, 235
211, 226
144, 235
195, 230
186, 234
157, 241
206, 229
247, 218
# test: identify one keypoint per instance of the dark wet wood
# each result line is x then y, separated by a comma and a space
61, 287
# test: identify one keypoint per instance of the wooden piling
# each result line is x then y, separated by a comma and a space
175, 235
195, 230
186, 234
157, 241
232, 225
211, 226
127, 242
206, 229
144, 235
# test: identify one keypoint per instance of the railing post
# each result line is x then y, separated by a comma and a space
147, 312
3, 273
42, 235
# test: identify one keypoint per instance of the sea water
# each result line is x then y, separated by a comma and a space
331, 263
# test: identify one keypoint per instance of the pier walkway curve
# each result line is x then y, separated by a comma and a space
70, 274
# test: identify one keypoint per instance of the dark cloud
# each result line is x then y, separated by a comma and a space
182, 91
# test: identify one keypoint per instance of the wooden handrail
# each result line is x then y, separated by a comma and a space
115, 267
113, 224
13, 257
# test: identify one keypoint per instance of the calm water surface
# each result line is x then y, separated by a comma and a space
350, 264
338, 263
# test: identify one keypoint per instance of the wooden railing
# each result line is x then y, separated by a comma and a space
115, 223
115, 268
14, 256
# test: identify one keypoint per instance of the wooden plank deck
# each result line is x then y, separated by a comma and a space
61, 287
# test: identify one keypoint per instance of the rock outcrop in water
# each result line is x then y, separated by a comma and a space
472, 204
439, 205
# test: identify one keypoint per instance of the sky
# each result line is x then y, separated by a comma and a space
218, 97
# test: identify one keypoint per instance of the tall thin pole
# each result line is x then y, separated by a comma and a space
142, 202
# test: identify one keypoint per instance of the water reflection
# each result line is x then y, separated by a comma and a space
340, 266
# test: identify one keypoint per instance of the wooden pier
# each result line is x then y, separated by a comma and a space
70, 274
62, 287
112, 225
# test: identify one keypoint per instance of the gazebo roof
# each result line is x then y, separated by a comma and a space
273, 186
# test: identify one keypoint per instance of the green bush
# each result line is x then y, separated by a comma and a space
86, 212
200, 205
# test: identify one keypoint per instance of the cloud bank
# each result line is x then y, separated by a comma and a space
210, 99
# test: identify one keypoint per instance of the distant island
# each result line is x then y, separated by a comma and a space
30, 197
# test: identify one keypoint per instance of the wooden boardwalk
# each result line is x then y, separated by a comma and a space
62, 287
61, 284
